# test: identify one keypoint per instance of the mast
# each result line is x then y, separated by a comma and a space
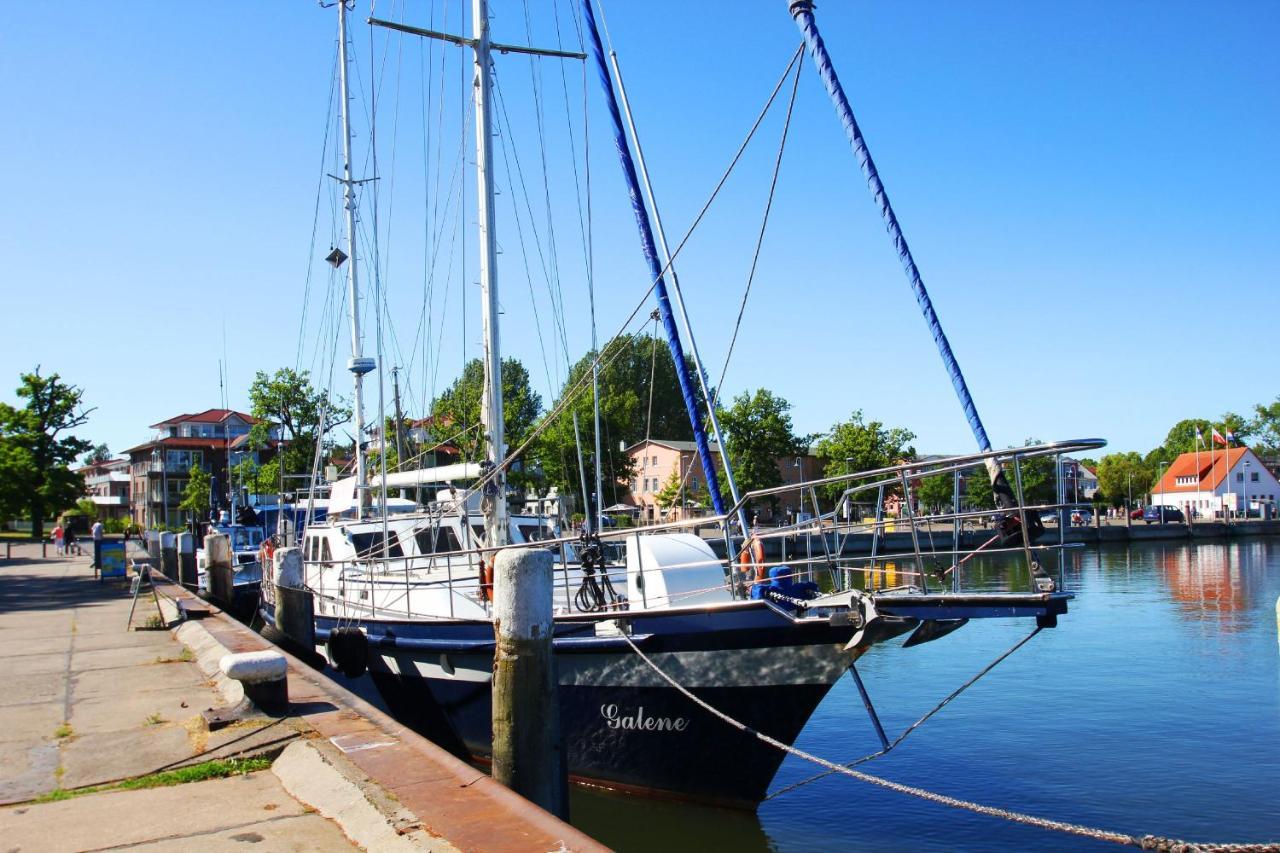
359, 365
494, 501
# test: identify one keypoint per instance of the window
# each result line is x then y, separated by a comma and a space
439, 540
1253, 477
1239, 476
324, 550
535, 532
370, 545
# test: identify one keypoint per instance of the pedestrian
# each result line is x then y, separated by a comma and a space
59, 542
128, 534
98, 532
69, 540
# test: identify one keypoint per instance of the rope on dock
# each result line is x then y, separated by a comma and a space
1145, 842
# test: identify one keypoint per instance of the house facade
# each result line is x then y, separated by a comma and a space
1211, 483
212, 440
107, 484
655, 461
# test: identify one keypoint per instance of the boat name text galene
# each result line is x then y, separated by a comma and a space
640, 722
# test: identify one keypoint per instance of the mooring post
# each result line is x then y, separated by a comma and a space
295, 614
528, 754
218, 568
169, 554
187, 575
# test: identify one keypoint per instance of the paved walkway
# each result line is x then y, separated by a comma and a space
86, 702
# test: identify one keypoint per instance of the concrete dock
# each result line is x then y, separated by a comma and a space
92, 712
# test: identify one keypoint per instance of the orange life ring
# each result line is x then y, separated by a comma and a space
752, 556
486, 581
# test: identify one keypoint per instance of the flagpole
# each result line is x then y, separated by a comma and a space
1199, 439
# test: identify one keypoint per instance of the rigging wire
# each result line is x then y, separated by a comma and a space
764, 223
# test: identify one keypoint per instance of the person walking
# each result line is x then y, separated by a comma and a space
59, 542
98, 532
69, 540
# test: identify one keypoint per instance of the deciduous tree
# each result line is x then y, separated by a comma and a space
288, 399
757, 431
860, 445
639, 398
37, 449
195, 497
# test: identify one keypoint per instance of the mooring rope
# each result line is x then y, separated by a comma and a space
1144, 842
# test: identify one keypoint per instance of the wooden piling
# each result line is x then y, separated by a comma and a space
528, 753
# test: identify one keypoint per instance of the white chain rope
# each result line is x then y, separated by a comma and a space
1145, 842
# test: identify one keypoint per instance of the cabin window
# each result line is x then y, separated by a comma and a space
477, 531
324, 549
370, 545
535, 532
441, 540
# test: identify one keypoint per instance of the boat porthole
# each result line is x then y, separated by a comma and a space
446, 665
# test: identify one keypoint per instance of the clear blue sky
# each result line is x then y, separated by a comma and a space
1089, 188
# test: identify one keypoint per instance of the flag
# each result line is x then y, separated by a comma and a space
1217, 437
1231, 436
1199, 437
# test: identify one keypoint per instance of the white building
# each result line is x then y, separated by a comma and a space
1211, 481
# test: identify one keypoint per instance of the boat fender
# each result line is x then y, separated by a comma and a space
751, 560
486, 581
348, 651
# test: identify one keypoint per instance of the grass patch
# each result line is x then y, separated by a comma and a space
216, 769
184, 656
154, 623
62, 731
155, 720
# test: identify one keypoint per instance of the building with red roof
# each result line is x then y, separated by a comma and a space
1213, 481
214, 440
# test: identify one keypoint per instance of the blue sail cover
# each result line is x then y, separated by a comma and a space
651, 257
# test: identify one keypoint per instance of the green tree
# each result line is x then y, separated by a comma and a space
37, 449
195, 497
1120, 474
1265, 427
860, 445
1182, 435
100, 453
669, 495
757, 432
935, 493
288, 400
459, 408
639, 397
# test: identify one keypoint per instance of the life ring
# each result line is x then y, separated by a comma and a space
752, 557
486, 581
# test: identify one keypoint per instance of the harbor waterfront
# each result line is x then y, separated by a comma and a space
1154, 708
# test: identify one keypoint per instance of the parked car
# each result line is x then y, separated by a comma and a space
1163, 515
1135, 514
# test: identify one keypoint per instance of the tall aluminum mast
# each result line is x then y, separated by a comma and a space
359, 365
495, 492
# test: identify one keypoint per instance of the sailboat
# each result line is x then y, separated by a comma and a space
669, 631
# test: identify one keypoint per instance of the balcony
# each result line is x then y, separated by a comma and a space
104, 479
109, 500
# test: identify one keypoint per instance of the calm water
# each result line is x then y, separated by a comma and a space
1154, 707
